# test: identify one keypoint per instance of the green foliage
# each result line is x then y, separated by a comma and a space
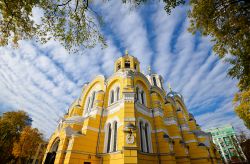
228, 23
71, 22
11, 125
15, 22
242, 106
169, 4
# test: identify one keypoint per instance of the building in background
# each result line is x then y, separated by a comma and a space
227, 143
129, 118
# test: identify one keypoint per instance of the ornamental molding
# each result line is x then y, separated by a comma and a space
170, 121
129, 97
160, 130
129, 119
147, 111
143, 109
185, 128
70, 132
191, 141
158, 112
74, 120
113, 108
121, 74
130, 139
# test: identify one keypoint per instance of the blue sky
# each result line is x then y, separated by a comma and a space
44, 79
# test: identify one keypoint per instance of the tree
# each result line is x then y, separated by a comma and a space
71, 22
228, 23
245, 144
25, 148
11, 125
242, 106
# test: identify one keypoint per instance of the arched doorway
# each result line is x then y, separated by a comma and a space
51, 155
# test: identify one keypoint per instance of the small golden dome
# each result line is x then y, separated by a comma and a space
127, 62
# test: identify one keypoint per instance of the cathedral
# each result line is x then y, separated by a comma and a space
129, 118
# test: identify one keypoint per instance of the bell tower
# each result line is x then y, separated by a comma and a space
127, 62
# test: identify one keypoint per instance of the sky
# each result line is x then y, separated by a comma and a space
44, 79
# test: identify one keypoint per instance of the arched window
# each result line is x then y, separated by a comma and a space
142, 97
115, 136
127, 64
117, 93
112, 97
51, 155
109, 138
141, 135
93, 100
154, 81
146, 137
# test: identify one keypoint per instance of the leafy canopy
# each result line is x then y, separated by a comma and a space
11, 126
242, 106
28, 143
71, 22
228, 23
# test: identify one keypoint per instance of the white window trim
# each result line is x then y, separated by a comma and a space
139, 97
144, 121
114, 89
111, 121
88, 104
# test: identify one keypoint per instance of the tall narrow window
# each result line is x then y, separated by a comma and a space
141, 135
137, 93
109, 138
142, 97
117, 93
154, 80
115, 136
93, 99
146, 136
112, 97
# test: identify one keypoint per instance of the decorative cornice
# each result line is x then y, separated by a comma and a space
160, 130
170, 121
190, 141
92, 129
129, 97
115, 107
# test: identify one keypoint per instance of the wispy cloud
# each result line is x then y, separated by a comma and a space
44, 79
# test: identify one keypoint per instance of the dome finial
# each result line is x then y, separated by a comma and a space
149, 70
126, 52
169, 86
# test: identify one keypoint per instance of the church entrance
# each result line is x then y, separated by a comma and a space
51, 155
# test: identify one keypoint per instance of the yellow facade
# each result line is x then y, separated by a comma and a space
129, 118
